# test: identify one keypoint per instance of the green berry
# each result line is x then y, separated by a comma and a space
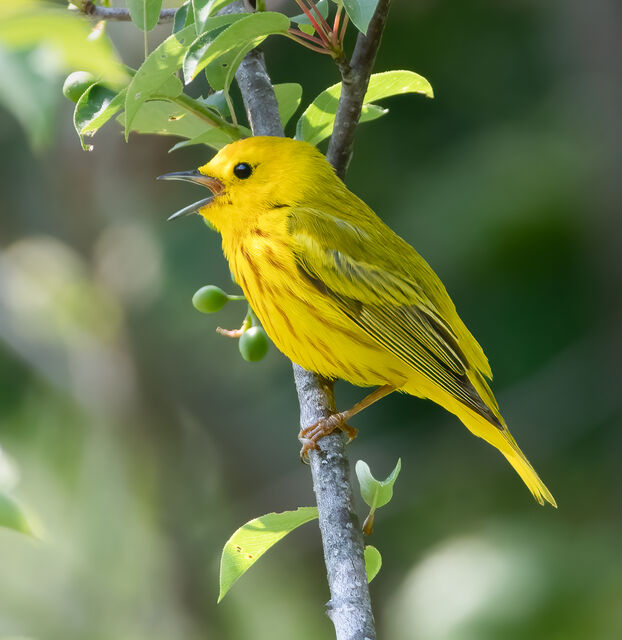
253, 344
76, 84
209, 299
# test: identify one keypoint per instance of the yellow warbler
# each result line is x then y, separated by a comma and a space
340, 293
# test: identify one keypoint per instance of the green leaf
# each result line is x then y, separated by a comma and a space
145, 13
253, 539
163, 118
184, 16
316, 123
221, 72
217, 101
13, 516
156, 70
288, 95
371, 112
201, 14
393, 83
94, 108
306, 28
204, 9
247, 32
360, 12
373, 562
64, 34
30, 94
212, 29
376, 493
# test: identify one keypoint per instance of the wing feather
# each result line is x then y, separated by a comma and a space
387, 289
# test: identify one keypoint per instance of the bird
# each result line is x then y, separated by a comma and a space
340, 293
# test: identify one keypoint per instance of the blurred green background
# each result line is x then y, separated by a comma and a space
142, 440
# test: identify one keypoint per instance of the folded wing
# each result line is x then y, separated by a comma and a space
383, 285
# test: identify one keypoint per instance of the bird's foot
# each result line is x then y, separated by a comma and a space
309, 436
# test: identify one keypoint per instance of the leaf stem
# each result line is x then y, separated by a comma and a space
301, 34
344, 26
229, 102
314, 23
206, 114
335, 30
306, 44
321, 18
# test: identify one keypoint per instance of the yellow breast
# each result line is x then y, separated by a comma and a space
303, 323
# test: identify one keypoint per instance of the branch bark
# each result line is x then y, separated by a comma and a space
354, 80
115, 14
350, 605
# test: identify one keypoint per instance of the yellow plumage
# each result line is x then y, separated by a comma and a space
340, 293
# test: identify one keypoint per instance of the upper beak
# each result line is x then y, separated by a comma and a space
213, 184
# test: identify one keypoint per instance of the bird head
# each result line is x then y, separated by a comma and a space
250, 175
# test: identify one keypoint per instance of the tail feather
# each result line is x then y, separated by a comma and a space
496, 434
502, 439
528, 474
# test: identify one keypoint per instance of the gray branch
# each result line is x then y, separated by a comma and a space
98, 12
354, 81
350, 605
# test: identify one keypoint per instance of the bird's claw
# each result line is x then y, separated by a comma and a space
307, 445
309, 436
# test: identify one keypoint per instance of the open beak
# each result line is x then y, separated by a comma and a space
213, 184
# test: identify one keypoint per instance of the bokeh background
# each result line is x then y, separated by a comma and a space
141, 439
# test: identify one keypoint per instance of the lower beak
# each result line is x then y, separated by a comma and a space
213, 184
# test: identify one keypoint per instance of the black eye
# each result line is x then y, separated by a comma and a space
242, 171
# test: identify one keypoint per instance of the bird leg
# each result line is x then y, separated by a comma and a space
309, 436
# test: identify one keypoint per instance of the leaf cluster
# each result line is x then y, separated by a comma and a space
153, 98
214, 45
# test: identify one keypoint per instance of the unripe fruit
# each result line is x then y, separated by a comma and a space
76, 84
253, 344
209, 299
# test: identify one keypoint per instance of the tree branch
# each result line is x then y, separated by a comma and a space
354, 81
350, 605
98, 12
